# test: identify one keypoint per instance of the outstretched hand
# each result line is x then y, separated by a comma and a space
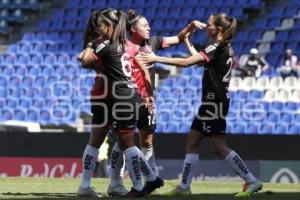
147, 58
198, 24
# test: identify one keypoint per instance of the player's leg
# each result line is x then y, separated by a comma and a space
218, 143
252, 185
116, 186
89, 159
124, 124
146, 125
100, 127
189, 164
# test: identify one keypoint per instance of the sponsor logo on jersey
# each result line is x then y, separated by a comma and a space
211, 48
102, 45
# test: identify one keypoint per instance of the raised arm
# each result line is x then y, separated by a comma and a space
182, 34
190, 46
146, 75
181, 62
87, 58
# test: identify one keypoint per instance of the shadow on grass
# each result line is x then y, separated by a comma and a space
268, 195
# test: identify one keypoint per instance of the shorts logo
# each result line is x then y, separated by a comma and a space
114, 124
206, 128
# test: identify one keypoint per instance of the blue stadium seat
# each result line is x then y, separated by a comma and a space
32, 115
11, 103
13, 48
184, 127
20, 70
27, 81
73, 4
43, 25
30, 93
25, 103
163, 116
40, 81
15, 92
266, 129
23, 59
38, 103
280, 129
6, 115
286, 117
291, 106
253, 128
33, 70
3, 81
172, 128
293, 130
255, 94
19, 115
15, 81
7, 70
273, 117
238, 128
276, 106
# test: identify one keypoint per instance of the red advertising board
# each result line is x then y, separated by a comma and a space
40, 167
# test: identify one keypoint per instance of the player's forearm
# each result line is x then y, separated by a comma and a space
88, 59
146, 76
190, 46
183, 32
147, 80
181, 62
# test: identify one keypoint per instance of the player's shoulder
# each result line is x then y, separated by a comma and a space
211, 47
102, 45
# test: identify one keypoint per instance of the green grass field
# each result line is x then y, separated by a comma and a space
65, 188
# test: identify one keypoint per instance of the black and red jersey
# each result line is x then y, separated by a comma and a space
117, 68
217, 71
153, 44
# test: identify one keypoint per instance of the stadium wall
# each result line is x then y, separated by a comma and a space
273, 158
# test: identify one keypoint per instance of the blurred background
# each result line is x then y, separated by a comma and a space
44, 93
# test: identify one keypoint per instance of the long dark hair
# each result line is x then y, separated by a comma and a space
116, 19
91, 31
228, 24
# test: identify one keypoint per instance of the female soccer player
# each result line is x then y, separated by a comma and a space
126, 101
140, 41
100, 108
210, 120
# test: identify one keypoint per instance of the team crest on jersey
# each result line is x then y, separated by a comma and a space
102, 45
211, 48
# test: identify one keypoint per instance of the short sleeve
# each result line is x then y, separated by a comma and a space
209, 52
157, 43
100, 49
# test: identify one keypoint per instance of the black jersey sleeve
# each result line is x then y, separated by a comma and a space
209, 52
101, 49
157, 43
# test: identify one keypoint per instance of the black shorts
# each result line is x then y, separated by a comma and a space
125, 114
101, 110
146, 120
210, 119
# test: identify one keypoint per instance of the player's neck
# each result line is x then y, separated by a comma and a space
218, 38
137, 40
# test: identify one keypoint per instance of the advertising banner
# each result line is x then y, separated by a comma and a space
208, 170
280, 171
40, 167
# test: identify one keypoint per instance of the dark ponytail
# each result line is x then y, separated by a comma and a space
91, 31
117, 19
228, 24
132, 18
